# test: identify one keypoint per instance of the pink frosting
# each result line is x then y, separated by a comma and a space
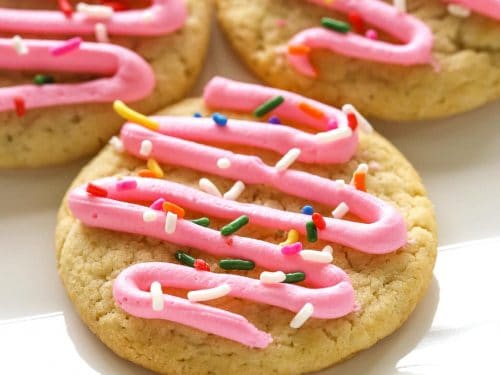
167, 16
131, 78
416, 36
489, 8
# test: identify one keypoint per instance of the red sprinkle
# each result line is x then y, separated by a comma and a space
66, 8
357, 22
353, 121
96, 190
319, 221
116, 5
201, 265
229, 241
20, 106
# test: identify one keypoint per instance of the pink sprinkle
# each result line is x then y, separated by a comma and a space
126, 185
281, 22
332, 124
158, 204
66, 46
371, 34
292, 249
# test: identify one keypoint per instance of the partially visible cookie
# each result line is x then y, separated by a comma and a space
450, 64
164, 48
115, 279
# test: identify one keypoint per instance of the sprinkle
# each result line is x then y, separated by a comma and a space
307, 210
235, 225
352, 121
339, 184
328, 249
202, 221
154, 167
235, 191
458, 10
332, 124
43, 79
147, 16
20, 106
374, 166
318, 220
146, 173
133, 116
312, 232
400, 5
223, 163
316, 256
126, 185
361, 120
291, 249
19, 45
67, 46
299, 49
146, 148
209, 294
95, 11
197, 115
209, 187
201, 265
275, 120
96, 190
185, 258
116, 143
66, 8
287, 160
272, 277
293, 236
335, 25
341, 210
157, 204
311, 110
371, 34
101, 33
236, 264
359, 177
219, 119
172, 207
334, 135
302, 316
116, 5
156, 296
268, 106
295, 277
357, 21
170, 223
149, 216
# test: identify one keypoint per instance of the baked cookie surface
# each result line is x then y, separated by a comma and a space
387, 287
466, 54
61, 133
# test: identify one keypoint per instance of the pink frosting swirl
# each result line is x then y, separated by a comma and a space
489, 8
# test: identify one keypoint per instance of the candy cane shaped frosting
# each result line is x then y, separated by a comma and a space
416, 36
489, 8
326, 288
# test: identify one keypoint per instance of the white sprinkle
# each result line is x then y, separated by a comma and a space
116, 143
157, 301
305, 313
339, 184
316, 256
223, 163
400, 5
147, 16
101, 33
341, 210
209, 187
287, 160
149, 216
209, 294
234, 193
374, 166
95, 11
328, 249
458, 10
362, 121
170, 222
146, 148
19, 45
334, 135
272, 277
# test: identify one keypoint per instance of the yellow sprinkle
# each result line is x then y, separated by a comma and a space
154, 167
133, 116
293, 236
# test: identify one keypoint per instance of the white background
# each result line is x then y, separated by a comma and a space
455, 329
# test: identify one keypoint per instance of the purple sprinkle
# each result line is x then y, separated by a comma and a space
332, 124
274, 120
292, 249
158, 204
371, 34
126, 185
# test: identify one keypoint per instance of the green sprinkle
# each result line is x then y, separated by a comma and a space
234, 225
236, 264
203, 221
268, 106
295, 277
42, 79
312, 232
185, 258
335, 25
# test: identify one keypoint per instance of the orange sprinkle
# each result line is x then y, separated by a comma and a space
299, 49
172, 207
147, 173
359, 180
311, 110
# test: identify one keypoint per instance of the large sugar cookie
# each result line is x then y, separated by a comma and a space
437, 64
365, 295
164, 45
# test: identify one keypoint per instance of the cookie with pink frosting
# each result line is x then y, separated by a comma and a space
253, 230
395, 60
63, 64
